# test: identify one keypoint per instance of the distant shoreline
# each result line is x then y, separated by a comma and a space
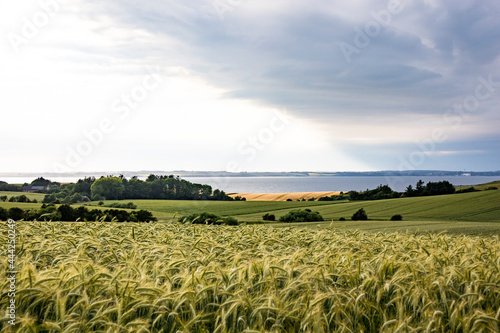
223, 174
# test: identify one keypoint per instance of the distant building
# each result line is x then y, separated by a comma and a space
32, 189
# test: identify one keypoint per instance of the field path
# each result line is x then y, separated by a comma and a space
282, 196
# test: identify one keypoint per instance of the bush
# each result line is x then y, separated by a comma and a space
4, 215
128, 205
16, 213
397, 217
21, 198
208, 218
381, 192
301, 216
466, 190
360, 215
339, 197
491, 188
75, 198
230, 221
269, 217
342, 219
438, 188
48, 212
49, 198
142, 216
68, 213
289, 199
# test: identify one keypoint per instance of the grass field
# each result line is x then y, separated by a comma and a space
469, 213
473, 213
169, 277
38, 196
483, 186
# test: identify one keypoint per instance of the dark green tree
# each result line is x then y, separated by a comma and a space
16, 213
41, 182
4, 215
298, 215
67, 213
360, 215
111, 188
83, 186
269, 217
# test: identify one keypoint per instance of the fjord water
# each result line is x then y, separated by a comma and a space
301, 184
326, 183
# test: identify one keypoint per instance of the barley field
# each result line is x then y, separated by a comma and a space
170, 277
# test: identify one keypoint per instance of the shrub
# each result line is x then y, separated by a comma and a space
3, 214
207, 218
21, 198
301, 216
360, 215
75, 198
269, 217
48, 212
491, 188
397, 217
289, 199
341, 196
230, 221
16, 213
49, 198
67, 213
97, 197
142, 216
342, 219
128, 205
466, 190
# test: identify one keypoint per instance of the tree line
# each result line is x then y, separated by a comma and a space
67, 213
121, 188
385, 192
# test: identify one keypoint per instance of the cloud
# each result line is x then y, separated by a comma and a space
274, 54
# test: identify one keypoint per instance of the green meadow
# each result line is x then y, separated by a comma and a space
31, 196
469, 213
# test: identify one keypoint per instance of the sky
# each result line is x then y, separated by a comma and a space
249, 85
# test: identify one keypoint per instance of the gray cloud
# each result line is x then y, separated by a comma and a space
288, 55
